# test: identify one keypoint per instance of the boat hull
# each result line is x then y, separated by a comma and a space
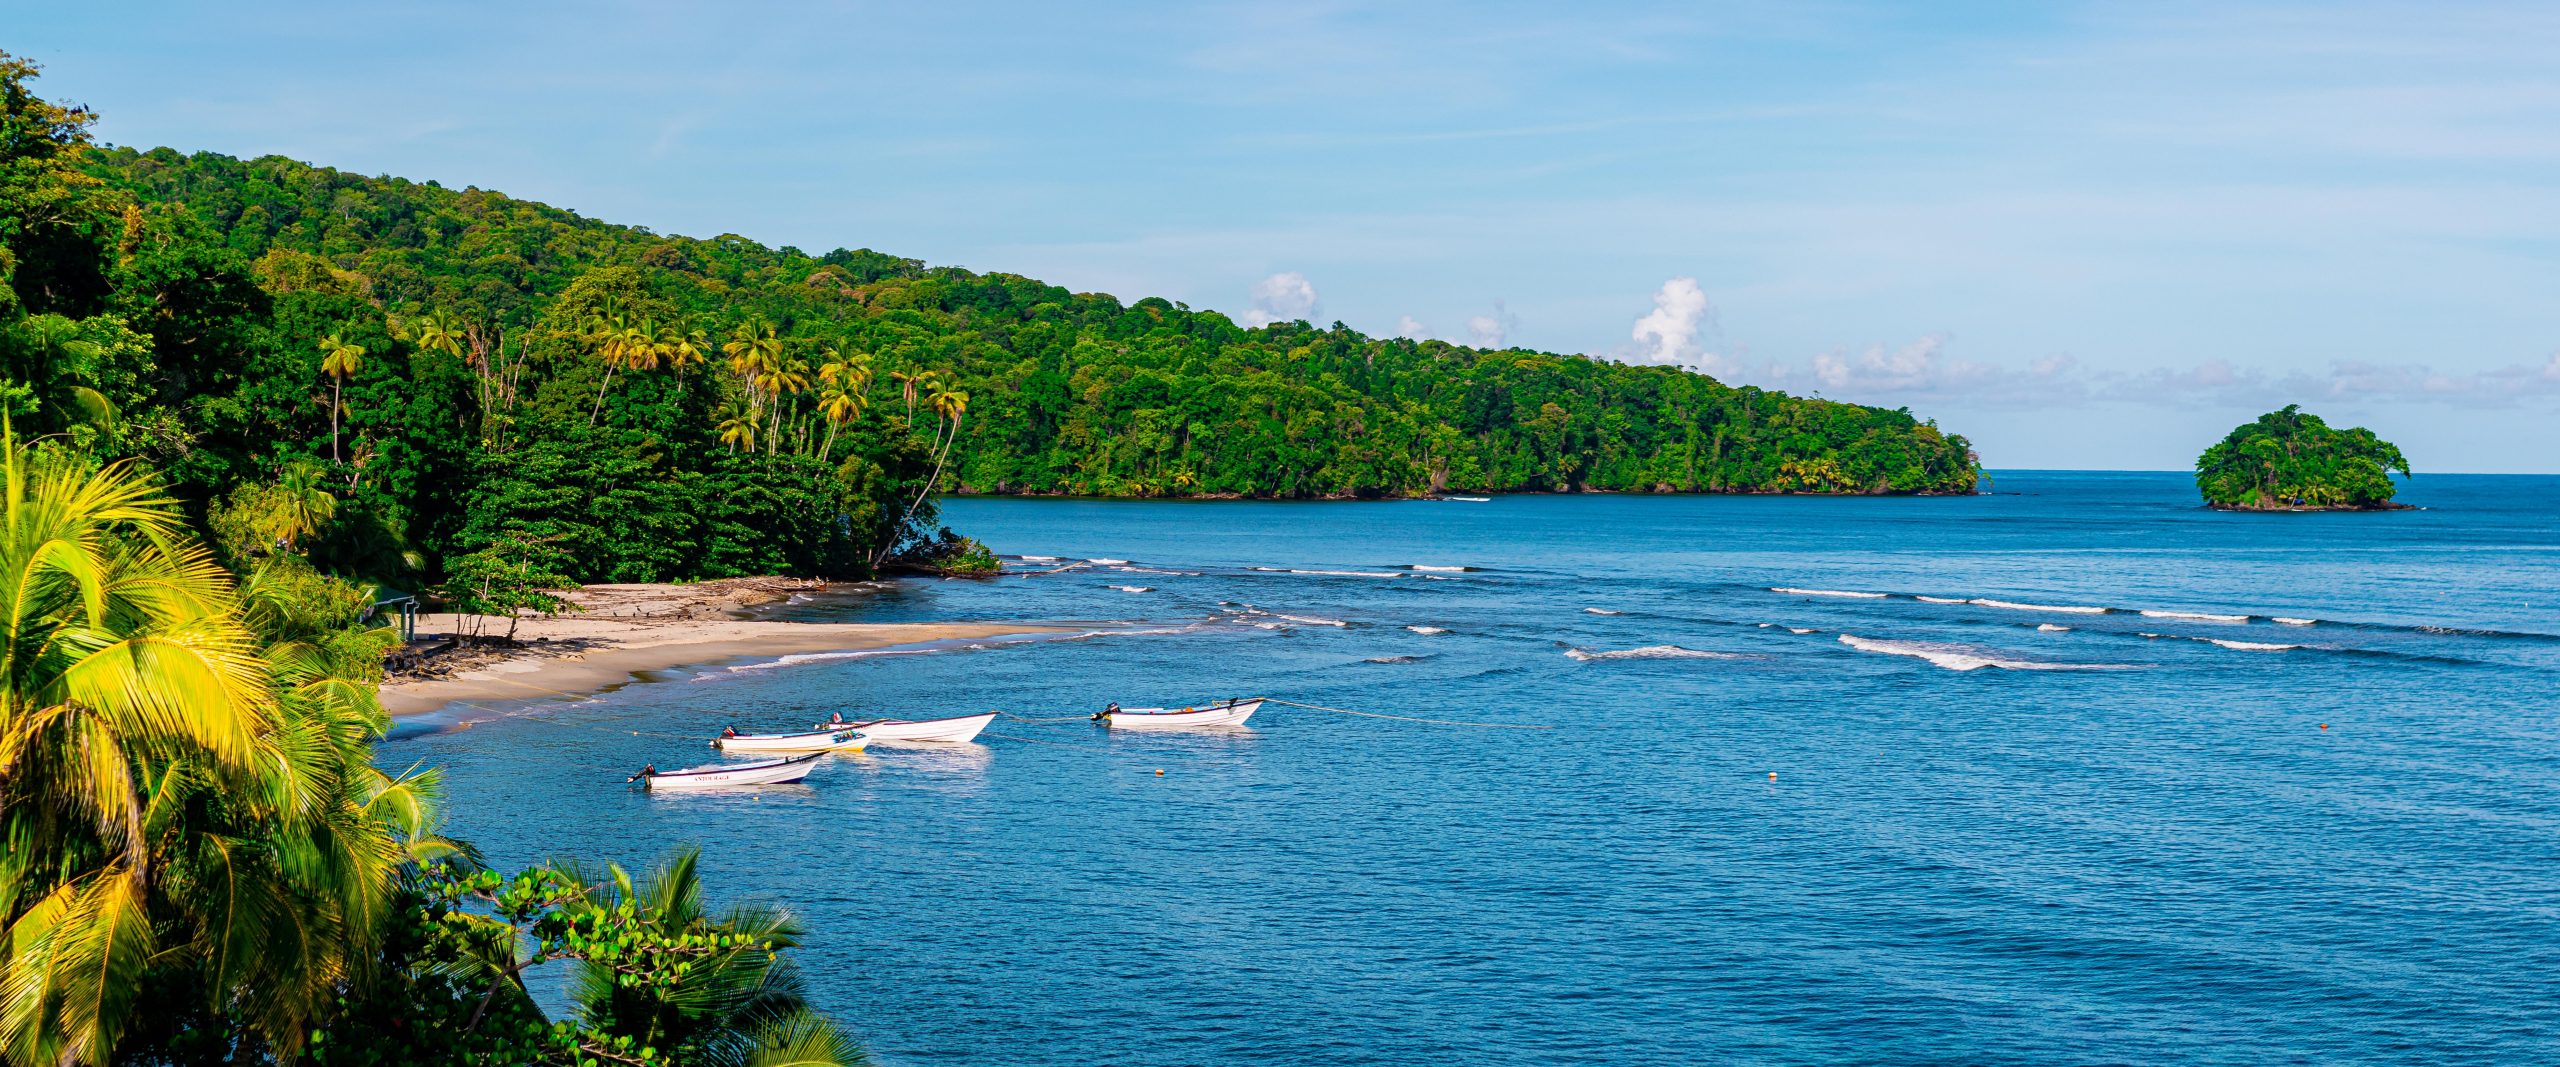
1232, 713
954, 730
718, 776
843, 740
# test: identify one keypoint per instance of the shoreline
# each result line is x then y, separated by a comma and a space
631, 630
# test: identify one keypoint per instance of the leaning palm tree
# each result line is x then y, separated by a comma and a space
838, 405
339, 360
950, 404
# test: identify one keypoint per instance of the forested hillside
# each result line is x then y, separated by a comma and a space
461, 372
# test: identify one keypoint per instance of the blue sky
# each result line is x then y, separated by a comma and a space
2084, 235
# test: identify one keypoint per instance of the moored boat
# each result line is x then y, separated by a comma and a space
835, 739
1220, 713
724, 775
952, 730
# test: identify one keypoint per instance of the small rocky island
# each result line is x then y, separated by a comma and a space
2292, 461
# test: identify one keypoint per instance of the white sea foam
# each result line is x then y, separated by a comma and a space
1939, 599
2012, 605
1768, 626
1648, 652
1039, 559
1109, 562
1426, 629
2297, 622
1391, 659
1310, 620
1798, 630
1825, 592
1134, 588
2052, 629
1965, 657
1154, 570
797, 658
1428, 567
1603, 611
2194, 616
2250, 646
1350, 574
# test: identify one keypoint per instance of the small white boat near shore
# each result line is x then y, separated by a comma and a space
953, 730
826, 739
726, 775
1222, 713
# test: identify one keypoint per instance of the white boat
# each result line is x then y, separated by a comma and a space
832, 739
725, 775
1222, 713
959, 728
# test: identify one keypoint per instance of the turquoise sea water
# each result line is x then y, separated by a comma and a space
2096, 845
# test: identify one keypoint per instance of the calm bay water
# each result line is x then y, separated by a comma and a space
2119, 838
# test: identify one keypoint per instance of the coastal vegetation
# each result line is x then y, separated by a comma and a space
458, 371
200, 862
2290, 460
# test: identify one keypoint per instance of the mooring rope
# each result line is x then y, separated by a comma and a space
1410, 718
1011, 717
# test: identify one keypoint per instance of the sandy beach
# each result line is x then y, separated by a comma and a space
627, 630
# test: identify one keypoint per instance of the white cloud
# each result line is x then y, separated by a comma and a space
1411, 328
1284, 297
1492, 331
1670, 331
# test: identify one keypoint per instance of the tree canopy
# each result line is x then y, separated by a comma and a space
2291, 460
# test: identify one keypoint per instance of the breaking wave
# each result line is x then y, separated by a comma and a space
1310, 620
1393, 659
2296, 622
1134, 588
1428, 567
1790, 591
1426, 629
2073, 609
1648, 652
2249, 646
2052, 629
1939, 599
1603, 611
2193, 616
1110, 562
1968, 658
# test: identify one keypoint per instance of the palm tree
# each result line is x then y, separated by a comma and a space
789, 378
339, 360
737, 427
742, 1004
682, 348
950, 404
185, 809
908, 383
754, 351
308, 505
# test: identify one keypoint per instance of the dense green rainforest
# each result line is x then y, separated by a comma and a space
464, 371
2292, 460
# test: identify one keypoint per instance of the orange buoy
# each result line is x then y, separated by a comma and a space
1773, 776
1159, 772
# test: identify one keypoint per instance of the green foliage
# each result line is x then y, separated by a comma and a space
1063, 392
656, 977
2289, 459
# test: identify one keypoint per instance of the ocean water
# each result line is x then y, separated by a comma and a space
1998, 833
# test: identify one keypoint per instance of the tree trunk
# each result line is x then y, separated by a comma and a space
337, 402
